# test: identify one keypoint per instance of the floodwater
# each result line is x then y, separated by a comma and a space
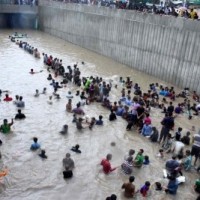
32, 178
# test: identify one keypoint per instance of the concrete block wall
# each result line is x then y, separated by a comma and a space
162, 46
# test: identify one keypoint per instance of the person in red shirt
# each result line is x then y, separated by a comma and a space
106, 164
7, 98
147, 119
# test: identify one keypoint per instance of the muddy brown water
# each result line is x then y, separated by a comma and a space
32, 178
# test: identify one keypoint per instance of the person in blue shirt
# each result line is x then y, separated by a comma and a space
172, 185
120, 110
35, 145
128, 101
146, 160
99, 121
146, 130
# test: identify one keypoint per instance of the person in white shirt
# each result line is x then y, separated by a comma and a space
196, 146
178, 148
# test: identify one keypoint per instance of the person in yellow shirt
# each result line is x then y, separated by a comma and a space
192, 13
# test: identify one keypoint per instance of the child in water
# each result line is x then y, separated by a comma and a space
6, 127
146, 160
74, 118
99, 121
92, 123
64, 129
35, 144
43, 154
145, 188
36, 93
76, 149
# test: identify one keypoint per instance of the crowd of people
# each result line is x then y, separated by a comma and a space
134, 106
160, 8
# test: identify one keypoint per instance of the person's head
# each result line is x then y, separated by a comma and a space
20, 98
158, 186
77, 147
17, 97
68, 155
5, 121
31, 70
141, 151
180, 156
65, 126
131, 152
43, 152
161, 150
100, 117
80, 119
147, 114
147, 183
146, 158
180, 129
187, 152
7, 95
174, 157
19, 111
37, 91
113, 197
188, 133
154, 129
78, 105
131, 179
109, 156
35, 139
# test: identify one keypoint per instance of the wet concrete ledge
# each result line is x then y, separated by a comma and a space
162, 46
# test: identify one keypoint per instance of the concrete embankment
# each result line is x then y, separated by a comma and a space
162, 46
